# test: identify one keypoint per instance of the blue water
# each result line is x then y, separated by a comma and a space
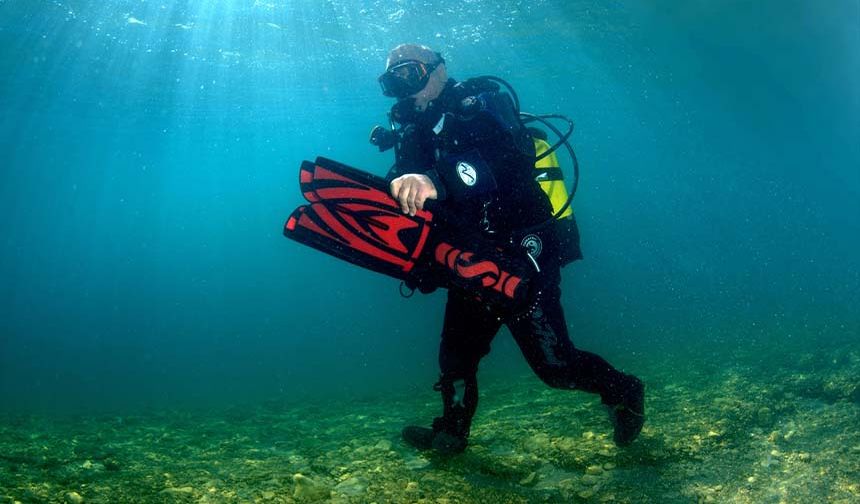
149, 153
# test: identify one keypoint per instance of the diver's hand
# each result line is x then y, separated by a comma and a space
412, 190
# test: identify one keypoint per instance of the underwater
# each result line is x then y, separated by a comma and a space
161, 340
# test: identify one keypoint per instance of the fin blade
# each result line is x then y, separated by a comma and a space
385, 242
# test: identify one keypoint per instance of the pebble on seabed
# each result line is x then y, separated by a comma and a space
73, 498
307, 488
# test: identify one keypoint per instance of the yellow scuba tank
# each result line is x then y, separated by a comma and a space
551, 179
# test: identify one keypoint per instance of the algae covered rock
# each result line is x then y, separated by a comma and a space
538, 443
530, 480
73, 498
309, 490
594, 470
383, 445
352, 487
175, 492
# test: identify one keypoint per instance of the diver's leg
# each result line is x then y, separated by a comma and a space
468, 330
541, 333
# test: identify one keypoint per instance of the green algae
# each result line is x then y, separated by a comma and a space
749, 430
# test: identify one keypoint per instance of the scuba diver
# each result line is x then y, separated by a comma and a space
465, 147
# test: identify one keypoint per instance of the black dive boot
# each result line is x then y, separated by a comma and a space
450, 432
448, 436
628, 416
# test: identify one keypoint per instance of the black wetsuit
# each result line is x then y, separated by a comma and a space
477, 117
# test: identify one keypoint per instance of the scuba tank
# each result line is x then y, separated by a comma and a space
550, 176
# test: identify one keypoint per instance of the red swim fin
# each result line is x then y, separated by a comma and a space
352, 217
333, 182
385, 241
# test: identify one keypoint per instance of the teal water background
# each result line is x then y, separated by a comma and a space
149, 153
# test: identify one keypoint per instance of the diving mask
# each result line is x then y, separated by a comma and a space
407, 77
